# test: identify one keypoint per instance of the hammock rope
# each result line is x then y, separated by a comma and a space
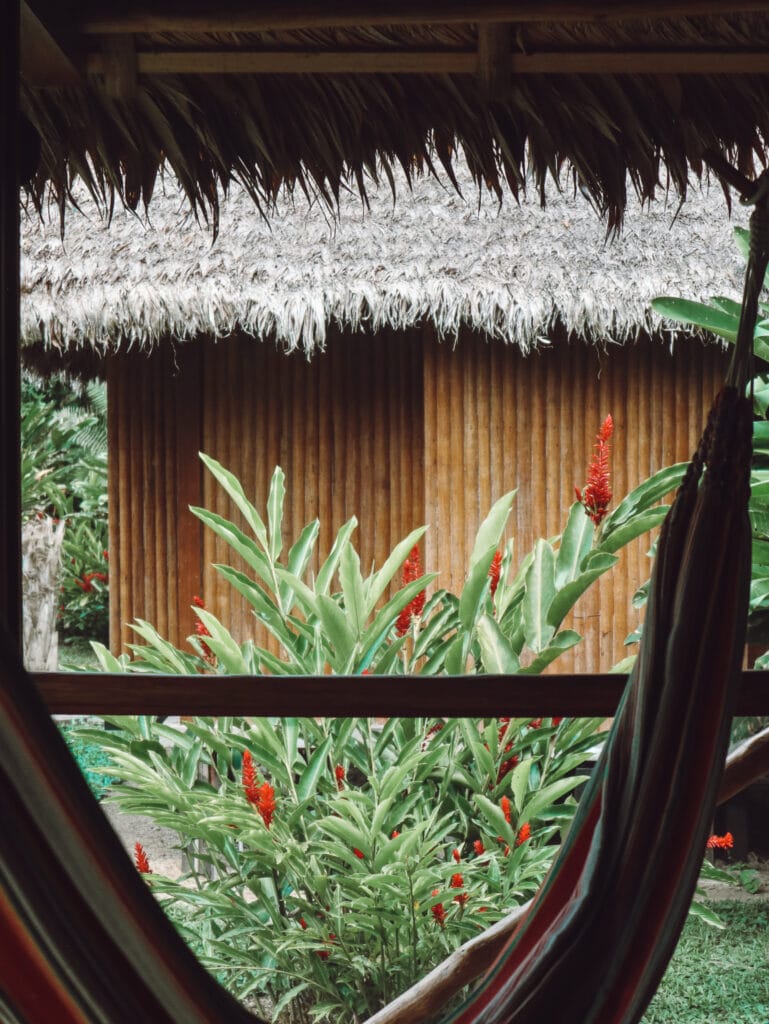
602, 928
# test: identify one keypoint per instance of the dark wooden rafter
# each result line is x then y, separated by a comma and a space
44, 60
493, 66
297, 14
494, 59
588, 695
119, 65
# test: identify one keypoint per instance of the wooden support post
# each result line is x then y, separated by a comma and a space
10, 474
494, 60
119, 66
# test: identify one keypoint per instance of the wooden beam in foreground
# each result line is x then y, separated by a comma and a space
298, 14
409, 697
747, 763
44, 63
454, 62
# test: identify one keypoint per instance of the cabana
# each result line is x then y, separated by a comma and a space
314, 96
404, 362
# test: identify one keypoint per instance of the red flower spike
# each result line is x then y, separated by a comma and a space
248, 778
535, 723
198, 602
141, 861
456, 855
494, 570
725, 842
597, 494
394, 834
358, 853
266, 803
339, 774
456, 881
461, 898
303, 923
438, 911
524, 833
412, 570
557, 722
479, 847
504, 803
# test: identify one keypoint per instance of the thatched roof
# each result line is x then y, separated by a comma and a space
507, 271
314, 94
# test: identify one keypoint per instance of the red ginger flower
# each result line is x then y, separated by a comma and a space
494, 571
456, 881
412, 570
198, 602
524, 833
339, 774
141, 861
438, 911
358, 853
394, 834
456, 855
504, 803
202, 630
725, 842
248, 777
479, 847
461, 898
266, 803
597, 493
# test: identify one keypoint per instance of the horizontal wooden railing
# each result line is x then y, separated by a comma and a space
585, 695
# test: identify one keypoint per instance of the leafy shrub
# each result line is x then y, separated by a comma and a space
91, 756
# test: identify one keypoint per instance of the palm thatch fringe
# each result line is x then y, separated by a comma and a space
433, 256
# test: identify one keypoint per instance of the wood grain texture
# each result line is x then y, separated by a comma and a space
589, 695
540, 414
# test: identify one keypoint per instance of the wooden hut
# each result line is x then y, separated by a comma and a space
404, 362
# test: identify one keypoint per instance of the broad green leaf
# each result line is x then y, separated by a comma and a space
519, 783
327, 570
352, 589
498, 656
566, 597
699, 314
490, 531
380, 580
495, 817
108, 662
639, 524
167, 650
540, 590
474, 743
260, 601
237, 540
316, 766
298, 559
234, 488
222, 644
697, 909
474, 590
644, 496
275, 512
576, 541
390, 611
337, 631
560, 643
549, 794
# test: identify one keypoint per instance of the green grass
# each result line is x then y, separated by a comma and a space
718, 975
77, 655
91, 759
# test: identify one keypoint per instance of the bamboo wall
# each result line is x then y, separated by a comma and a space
397, 430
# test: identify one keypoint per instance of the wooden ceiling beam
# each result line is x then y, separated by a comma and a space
44, 61
299, 14
194, 62
595, 695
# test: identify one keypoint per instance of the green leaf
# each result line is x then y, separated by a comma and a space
560, 643
705, 914
107, 662
222, 644
298, 559
644, 496
237, 540
540, 590
490, 531
566, 597
549, 794
519, 783
317, 764
233, 487
497, 654
474, 590
337, 631
639, 524
352, 589
496, 819
576, 541
380, 580
275, 512
699, 314
327, 570
390, 611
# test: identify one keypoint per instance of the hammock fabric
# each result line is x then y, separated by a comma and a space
604, 925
